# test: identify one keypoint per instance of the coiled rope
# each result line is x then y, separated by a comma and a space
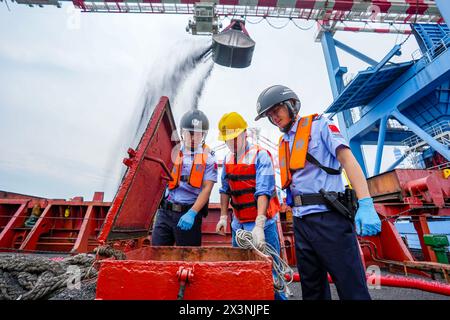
33, 277
28, 277
245, 240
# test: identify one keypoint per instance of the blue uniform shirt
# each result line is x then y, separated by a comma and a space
265, 184
325, 140
185, 193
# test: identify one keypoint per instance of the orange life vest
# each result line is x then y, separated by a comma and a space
195, 178
241, 178
294, 160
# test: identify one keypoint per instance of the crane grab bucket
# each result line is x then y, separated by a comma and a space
233, 47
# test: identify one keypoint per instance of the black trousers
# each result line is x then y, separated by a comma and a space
326, 242
166, 233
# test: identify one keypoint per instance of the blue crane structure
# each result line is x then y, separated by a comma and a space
395, 104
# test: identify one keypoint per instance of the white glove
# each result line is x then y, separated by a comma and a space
221, 226
259, 240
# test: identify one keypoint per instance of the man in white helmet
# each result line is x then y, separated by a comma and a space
179, 219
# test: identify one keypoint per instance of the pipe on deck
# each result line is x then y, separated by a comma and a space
403, 282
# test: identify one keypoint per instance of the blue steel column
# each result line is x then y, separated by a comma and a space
381, 137
355, 53
397, 162
355, 145
335, 75
335, 71
444, 8
443, 150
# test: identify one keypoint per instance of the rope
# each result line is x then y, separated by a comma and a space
31, 277
244, 240
108, 251
26, 277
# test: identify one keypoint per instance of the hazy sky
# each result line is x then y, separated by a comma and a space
71, 85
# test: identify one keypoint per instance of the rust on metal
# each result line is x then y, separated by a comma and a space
220, 273
54, 231
143, 185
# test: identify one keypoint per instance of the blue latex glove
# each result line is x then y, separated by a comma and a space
367, 221
187, 220
289, 200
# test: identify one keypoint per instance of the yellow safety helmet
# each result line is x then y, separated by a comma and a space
231, 125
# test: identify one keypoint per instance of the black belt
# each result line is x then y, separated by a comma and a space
310, 199
344, 203
175, 207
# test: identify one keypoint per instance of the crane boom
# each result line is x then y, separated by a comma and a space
382, 11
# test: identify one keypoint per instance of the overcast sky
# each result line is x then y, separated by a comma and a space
71, 86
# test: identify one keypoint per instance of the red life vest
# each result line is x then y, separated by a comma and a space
291, 161
195, 178
241, 178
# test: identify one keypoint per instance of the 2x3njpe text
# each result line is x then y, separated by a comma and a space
227, 309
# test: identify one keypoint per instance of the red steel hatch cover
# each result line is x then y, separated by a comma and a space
144, 182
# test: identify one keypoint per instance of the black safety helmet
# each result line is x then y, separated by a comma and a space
275, 95
194, 120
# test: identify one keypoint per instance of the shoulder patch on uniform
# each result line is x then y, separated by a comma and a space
213, 153
334, 130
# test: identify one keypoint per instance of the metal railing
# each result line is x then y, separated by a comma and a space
415, 145
434, 52
441, 166
359, 13
439, 130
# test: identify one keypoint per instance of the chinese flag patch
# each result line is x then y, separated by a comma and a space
333, 128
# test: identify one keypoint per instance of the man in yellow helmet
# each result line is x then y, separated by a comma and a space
248, 180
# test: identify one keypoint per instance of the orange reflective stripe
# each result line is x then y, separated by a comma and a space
295, 159
176, 172
301, 141
283, 156
197, 170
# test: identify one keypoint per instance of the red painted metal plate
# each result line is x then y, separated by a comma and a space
217, 273
143, 185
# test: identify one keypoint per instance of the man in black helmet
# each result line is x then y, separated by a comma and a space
179, 219
311, 153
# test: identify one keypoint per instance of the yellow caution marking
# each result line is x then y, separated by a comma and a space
446, 173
